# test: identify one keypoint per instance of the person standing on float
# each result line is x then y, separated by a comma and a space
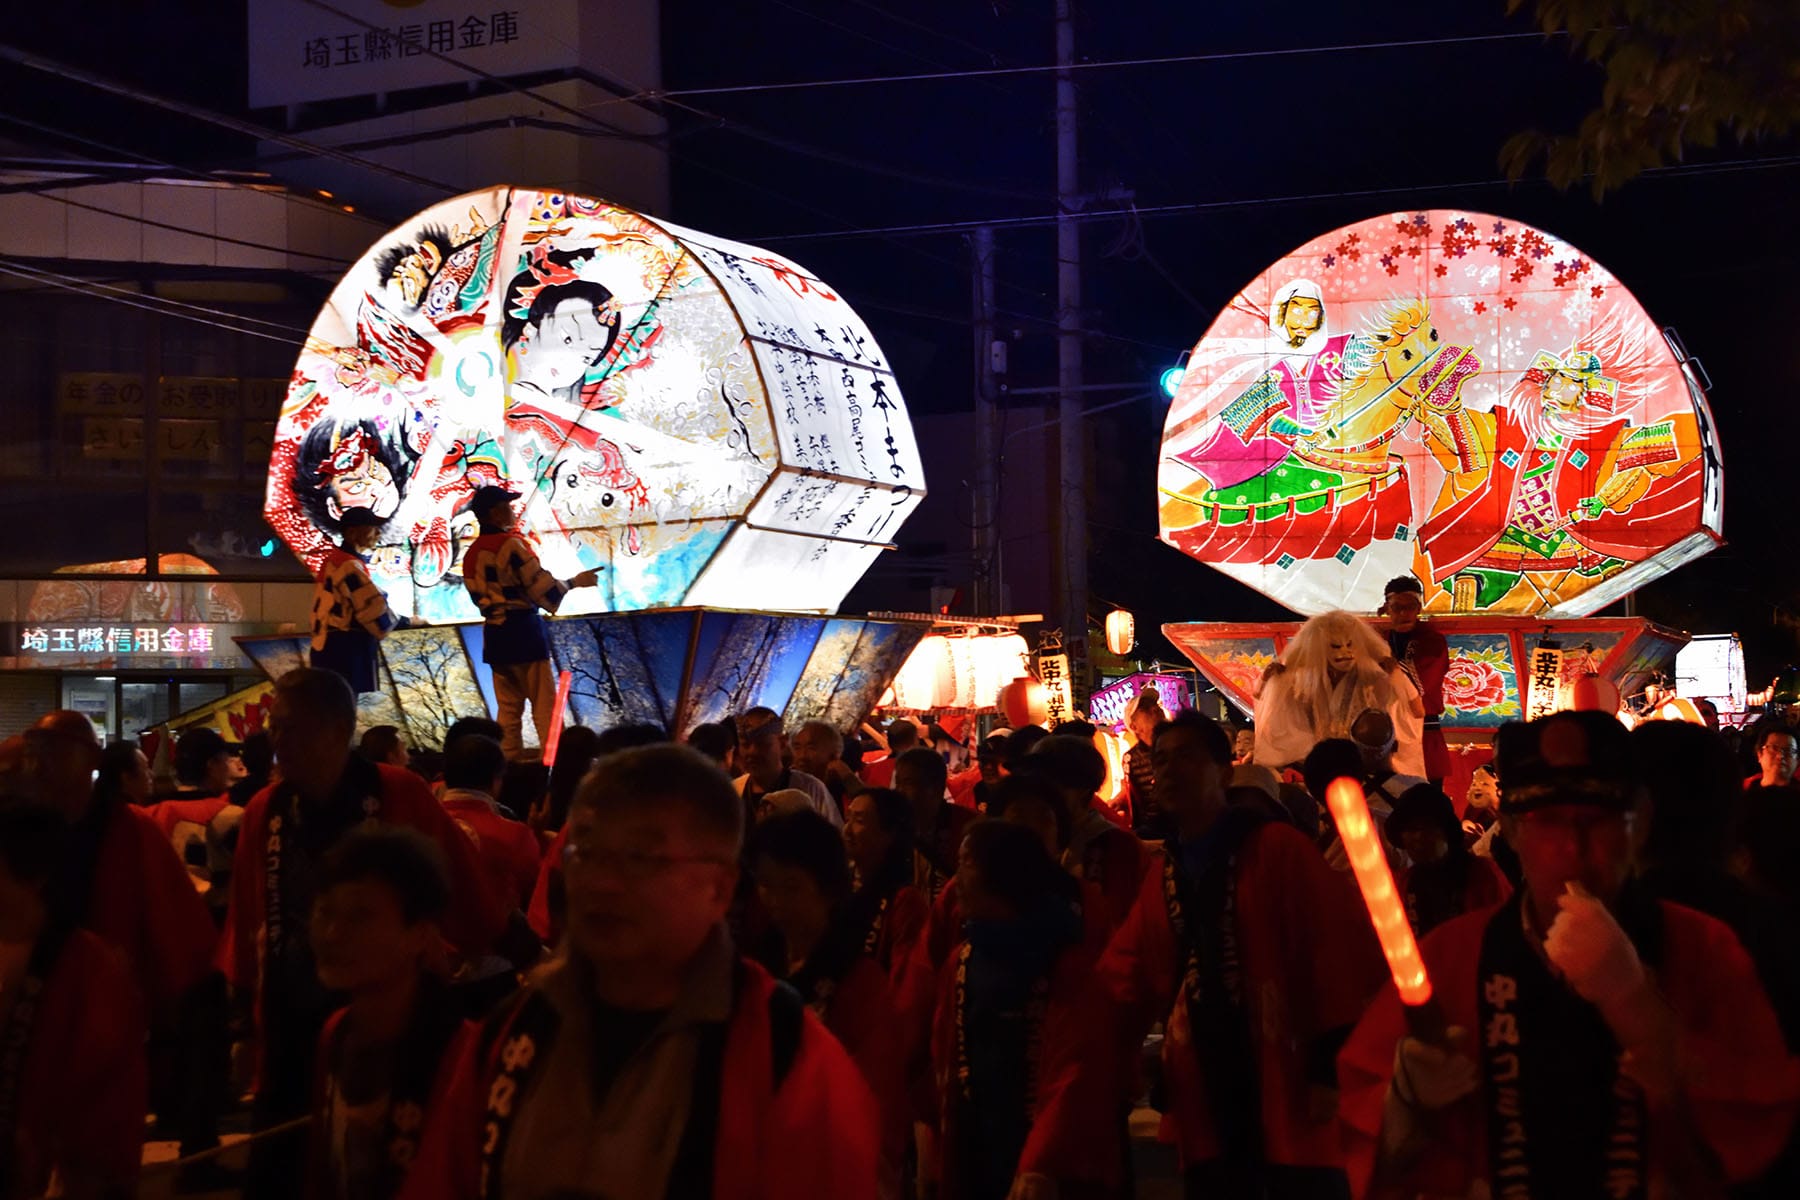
509, 586
350, 615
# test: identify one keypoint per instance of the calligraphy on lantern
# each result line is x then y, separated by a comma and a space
116, 639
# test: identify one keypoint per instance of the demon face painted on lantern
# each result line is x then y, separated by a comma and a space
347, 465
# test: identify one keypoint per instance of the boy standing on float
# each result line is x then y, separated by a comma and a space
509, 586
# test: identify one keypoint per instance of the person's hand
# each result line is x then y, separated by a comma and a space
538, 818
1273, 669
1388, 664
1592, 952
586, 579
1432, 1077
1032, 1187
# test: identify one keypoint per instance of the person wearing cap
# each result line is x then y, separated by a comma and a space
510, 586
763, 752
349, 613
1599, 1042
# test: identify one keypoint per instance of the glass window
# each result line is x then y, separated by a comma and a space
141, 705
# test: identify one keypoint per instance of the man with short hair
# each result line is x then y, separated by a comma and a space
938, 825
1777, 754
902, 735
651, 1059
819, 752
509, 586
763, 753
1424, 655
473, 771
1600, 1041
1258, 960
325, 792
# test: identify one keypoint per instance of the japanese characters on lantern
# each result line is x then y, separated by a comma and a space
1451, 395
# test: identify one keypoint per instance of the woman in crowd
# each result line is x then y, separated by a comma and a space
886, 907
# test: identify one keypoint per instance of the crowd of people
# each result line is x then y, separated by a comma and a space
774, 962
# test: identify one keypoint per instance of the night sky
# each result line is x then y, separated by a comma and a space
1278, 148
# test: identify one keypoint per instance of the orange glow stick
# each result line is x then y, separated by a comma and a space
556, 717
1350, 809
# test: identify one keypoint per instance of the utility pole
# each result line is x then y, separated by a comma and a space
1071, 508
982, 519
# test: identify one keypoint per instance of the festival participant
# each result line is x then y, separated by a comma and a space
1243, 745
1142, 716
817, 948
350, 616
1777, 754
819, 752
509, 586
763, 752
576, 751
257, 753
1333, 670
121, 880
1442, 879
1424, 656
1024, 1074
1340, 758
1623, 1045
1259, 960
1095, 849
649, 1059
72, 1078
385, 744
325, 792
206, 766
382, 1059
509, 851
938, 826
886, 907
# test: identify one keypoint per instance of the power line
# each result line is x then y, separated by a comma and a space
1050, 68
1164, 210
83, 287
105, 287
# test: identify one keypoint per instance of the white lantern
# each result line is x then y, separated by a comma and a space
1121, 632
1002, 658
927, 681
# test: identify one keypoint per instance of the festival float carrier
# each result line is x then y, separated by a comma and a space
1461, 398
706, 424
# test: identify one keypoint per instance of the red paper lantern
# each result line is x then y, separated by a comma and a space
1025, 702
1594, 693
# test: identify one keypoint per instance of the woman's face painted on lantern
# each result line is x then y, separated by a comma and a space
557, 352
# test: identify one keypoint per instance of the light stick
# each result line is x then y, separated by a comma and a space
556, 717
1350, 809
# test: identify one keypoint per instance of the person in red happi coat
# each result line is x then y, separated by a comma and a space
1259, 959
73, 1076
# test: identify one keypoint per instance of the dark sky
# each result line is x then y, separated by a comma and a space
1281, 147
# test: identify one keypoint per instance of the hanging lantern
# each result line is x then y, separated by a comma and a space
928, 680
1025, 702
1594, 693
1000, 659
1121, 632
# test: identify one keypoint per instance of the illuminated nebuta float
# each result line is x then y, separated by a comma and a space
704, 423
1454, 396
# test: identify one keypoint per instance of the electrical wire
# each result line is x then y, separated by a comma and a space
1051, 68
161, 308
94, 283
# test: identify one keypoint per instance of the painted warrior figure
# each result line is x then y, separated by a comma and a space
1581, 491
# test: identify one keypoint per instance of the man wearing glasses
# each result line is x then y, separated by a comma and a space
650, 1059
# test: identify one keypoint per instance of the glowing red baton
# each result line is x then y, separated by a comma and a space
1350, 809
556, 717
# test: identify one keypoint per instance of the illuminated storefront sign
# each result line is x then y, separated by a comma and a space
115, 639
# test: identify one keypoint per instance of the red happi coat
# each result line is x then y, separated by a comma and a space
1111, 858
1427, 662
143, 901
82, 1087
474, 922
1076, 1091
1742, 1086
815, 1135
1310, 962
860, 1015
902, 924
542, 920
509, 849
